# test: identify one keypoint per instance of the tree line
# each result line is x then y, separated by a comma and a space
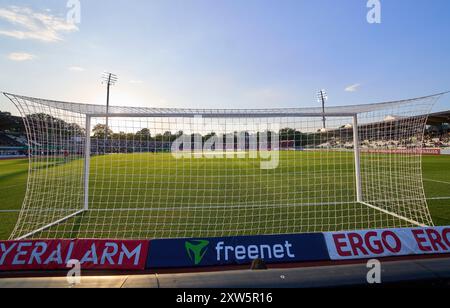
299, 139
53, 125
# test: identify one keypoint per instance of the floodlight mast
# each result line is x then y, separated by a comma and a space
322, 96
109, 79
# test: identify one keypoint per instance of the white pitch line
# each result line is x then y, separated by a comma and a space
439, 198
12, 186
220, 207
436, 181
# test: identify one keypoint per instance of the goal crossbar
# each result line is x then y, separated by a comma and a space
219, 115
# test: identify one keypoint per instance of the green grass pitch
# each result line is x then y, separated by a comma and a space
13, 177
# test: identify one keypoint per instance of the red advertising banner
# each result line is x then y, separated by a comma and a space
56, 254
387, 243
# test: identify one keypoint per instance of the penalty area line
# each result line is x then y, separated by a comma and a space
436, 181
439, 198
217, 207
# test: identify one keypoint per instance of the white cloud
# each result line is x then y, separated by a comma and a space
353, 87
28, 24
20, 56
76, 69
136, 82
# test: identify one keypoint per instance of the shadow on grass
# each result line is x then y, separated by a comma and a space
76, 226
10, 175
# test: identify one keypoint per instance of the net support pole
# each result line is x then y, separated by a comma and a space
359, 194
50, 225
87, 162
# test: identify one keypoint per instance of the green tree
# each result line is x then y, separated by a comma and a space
144, 134
55, 125
99, 131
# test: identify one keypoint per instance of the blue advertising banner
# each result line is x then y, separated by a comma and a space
179, 253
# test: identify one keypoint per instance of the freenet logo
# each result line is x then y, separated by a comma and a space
252, 252
196, 250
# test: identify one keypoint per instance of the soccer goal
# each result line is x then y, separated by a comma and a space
174, 173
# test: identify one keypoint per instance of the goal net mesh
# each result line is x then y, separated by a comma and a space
167, 173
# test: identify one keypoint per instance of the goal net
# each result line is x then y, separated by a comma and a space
136, 173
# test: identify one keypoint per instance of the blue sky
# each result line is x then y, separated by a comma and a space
225, 53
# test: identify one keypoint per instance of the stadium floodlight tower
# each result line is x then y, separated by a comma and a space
322, 97
367, 175
109, 79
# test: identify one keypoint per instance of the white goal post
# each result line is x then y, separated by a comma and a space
167, 173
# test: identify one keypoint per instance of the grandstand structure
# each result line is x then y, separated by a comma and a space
9, 141
439, 118
438, 132
171, 173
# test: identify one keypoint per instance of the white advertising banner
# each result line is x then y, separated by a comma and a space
387, 243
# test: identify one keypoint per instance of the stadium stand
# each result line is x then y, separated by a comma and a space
437, 134
7, 141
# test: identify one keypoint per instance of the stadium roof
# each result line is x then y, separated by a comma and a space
439, 118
